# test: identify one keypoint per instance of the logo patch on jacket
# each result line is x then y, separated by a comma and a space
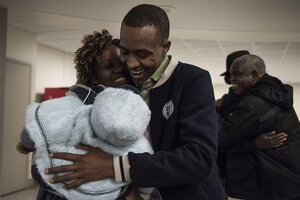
168, 109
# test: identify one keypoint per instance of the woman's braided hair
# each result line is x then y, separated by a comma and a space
87, 56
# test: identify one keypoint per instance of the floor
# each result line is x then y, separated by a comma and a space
26, 194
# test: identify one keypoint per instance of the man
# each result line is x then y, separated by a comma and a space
224, 106
183, 126
265, 104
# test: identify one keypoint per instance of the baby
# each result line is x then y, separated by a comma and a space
115, 123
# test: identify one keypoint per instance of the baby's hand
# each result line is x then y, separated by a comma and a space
23, 149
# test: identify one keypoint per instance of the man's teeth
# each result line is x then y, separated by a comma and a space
137, 72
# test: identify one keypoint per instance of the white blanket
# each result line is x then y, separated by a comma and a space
115, 123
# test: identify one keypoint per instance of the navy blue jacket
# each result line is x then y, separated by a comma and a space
183, 130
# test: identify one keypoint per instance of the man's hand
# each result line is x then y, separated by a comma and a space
92, 166
270, 140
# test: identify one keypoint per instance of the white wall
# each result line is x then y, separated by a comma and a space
21, 47
20, 50
296, 87
54, 68
221, 89
49, 67
3, 38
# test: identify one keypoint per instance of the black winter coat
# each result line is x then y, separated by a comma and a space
250, 173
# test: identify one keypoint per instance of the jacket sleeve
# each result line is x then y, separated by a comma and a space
229, 101
26, 140
239, 129
195, 134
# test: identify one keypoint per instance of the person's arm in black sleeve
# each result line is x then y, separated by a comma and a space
26, 145
195, 157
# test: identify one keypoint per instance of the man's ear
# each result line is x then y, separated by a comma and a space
166, 46
255, 75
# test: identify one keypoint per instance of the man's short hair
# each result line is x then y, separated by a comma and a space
251, 62
149, 15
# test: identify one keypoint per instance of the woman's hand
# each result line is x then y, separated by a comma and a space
270, 140
23, 149
219, 102
92, 166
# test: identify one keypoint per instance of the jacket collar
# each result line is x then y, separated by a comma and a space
168, 72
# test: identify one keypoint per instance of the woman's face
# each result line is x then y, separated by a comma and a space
109, 70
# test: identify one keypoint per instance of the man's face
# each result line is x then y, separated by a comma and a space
141, 51
241, 79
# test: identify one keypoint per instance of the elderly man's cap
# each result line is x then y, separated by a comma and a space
231, 57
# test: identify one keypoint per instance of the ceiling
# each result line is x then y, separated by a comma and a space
203, 32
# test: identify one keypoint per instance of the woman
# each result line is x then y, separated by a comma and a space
98, 65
